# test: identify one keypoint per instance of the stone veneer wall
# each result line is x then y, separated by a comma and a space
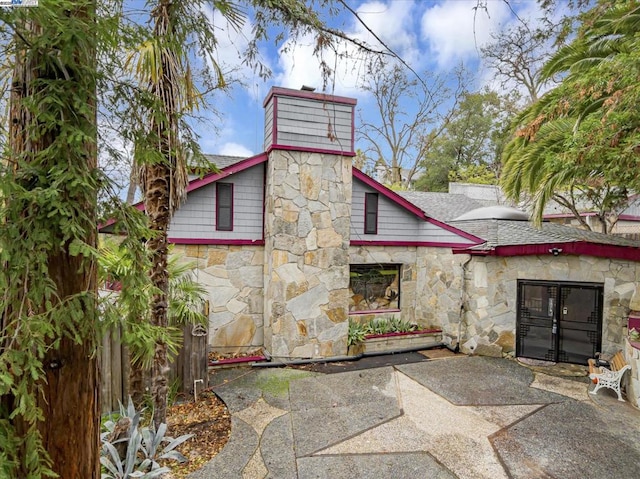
632, 380
233, 277
491, 291
430, 287
439, 299
306, 274
632, 354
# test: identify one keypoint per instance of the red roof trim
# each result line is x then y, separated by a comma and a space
448, 227
229, 170
212, 177
570, 248
434, 244
216, 241
406, 204
392, 195
309, 95
323, 151
139, 206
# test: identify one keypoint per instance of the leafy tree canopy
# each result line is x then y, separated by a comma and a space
471, 142
579, 142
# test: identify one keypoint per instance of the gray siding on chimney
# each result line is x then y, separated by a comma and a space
394, 222
310, 124
195, 219
268, 125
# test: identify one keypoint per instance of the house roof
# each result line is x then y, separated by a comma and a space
514, 238
442, 206
493, 195
227, 170
223, 161
411, 207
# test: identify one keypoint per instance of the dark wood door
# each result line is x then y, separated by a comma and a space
559, 322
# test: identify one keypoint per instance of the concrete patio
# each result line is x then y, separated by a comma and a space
455, 417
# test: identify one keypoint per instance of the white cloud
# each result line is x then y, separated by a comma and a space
235, 149
455, 31
393, 23
297, 66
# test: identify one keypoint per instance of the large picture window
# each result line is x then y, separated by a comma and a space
374, 287
371, 213
224, 206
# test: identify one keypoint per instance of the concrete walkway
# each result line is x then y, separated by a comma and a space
464, 417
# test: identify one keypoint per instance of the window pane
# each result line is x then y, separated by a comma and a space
371, 213
224, 206
374, 287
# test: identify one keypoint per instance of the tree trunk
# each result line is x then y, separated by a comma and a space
68, 394
163, 184
137, 381
157, 208
71, 396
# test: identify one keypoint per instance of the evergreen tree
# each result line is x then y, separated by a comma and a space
49, 392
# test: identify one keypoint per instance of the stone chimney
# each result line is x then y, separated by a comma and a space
310, 143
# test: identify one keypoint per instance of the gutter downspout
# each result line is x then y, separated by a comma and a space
463, 297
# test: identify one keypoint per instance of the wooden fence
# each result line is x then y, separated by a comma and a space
189, 366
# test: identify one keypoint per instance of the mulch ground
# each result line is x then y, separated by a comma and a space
210, 423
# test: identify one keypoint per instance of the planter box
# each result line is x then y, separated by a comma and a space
380, 343
235, 362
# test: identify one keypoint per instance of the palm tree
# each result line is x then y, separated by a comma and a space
161, 65
579, 141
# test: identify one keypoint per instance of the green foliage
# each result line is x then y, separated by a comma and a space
469, 148
476, 174
141, 446
278, 385
49, 184
578, 143
358, 332
127, 262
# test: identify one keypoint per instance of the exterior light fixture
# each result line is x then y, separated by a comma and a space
555, 251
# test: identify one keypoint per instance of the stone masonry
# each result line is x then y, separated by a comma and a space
233, 278
429, 286
306, 267
491, 291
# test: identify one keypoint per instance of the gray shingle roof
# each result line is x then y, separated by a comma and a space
441, 206
511, 233
222, 161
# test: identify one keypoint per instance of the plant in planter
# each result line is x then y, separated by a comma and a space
358, 332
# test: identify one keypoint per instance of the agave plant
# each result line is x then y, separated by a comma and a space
133, 451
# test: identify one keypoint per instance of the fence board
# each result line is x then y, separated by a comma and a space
190, 364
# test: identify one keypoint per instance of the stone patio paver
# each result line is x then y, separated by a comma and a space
469, 417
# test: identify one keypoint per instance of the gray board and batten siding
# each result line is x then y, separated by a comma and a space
395, 224
196, 218
306, 123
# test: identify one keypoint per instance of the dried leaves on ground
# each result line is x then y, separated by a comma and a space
208, 420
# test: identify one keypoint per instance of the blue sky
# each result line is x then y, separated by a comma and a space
430, 35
